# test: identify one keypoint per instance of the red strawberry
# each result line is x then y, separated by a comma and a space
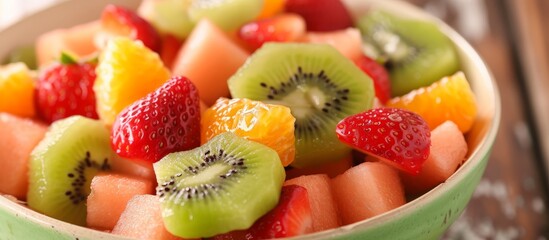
166, 120
119, 21
282, 28
66, 89
321, 15
170, 47
379, 75
396, 136
291, 217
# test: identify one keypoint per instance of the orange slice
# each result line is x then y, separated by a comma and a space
16, 90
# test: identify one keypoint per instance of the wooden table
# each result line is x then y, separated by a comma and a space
513, 38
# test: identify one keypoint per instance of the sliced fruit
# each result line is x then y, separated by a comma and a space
127, 71
321, 15
25, 54
168, 16
272, 125
320, 86
449, 99
271, 8
208, 59
323, 207
331, 169
229, 15
206, 191
418, 53
291, 217
17, 90
281, 28
367, 190
379, 75
347, 41
165, 121
170, 47
133, 167
61, 167
19, 137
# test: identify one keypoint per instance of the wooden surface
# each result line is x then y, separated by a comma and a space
512, 36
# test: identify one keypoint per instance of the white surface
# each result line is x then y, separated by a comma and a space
12, 10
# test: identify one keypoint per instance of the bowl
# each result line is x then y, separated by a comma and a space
426, 217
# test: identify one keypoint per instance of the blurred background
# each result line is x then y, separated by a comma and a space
513, 38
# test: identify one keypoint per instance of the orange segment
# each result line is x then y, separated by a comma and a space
16, 90
271, 8
272, 125
450, 98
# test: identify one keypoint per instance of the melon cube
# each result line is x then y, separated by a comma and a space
134, 167
109, 196
347, 41
323, 207
18, 137
367, 190
331, 169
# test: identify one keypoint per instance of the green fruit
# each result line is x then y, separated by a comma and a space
229, 15
168, 16
25, 54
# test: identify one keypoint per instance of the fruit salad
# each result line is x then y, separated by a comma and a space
232, 119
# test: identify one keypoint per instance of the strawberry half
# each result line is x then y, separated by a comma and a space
396, 136
321, 15
379, 75
66, 89
291, 217
166, 120
282, 28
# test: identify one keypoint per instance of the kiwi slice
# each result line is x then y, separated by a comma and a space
417, 52
25, 54
168, 16
317, 83
62, 165
224, 185
226, 14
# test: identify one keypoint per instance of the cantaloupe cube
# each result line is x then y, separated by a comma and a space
347, 41
18, 137
331, 169
323, 207
367, 190
448, 151
133, 167
208, 58
109, 196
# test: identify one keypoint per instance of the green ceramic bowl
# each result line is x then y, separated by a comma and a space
426, 217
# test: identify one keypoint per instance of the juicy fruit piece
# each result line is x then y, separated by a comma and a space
206, 191
133, 167
61, 167
227, 14
398, 137
19, 137
170, 47
127, 71
418, 53
272, 125
323, 206
109, 196
142, 219
367, 190
282, 28
168, 16
271, 8
379, 75
331, 169
164, 121
120, 21
65, 89
209, 58
16, 90
291, 217
448, 151
321, 15
317, 83
450, 98
25, 54
347, 41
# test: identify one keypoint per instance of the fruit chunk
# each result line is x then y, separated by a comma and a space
170, 47
206, 191
448, 151
317, 83
379, 75
271, 8
61, 167
165, 121
450, 98
398, 137
272, 125
331, 169
323, 207
208, 59
282, 28
109, 196
24, 54
367, 190
16, 90
227, 14
321, 15
127, 71
291, 217
168, 16
19, 137
347, 41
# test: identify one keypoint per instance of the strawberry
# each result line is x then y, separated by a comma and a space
119, 21
321, 15
396, 136
291, 217
170, 47
164, 121
282, 28
379, 75
65, 89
